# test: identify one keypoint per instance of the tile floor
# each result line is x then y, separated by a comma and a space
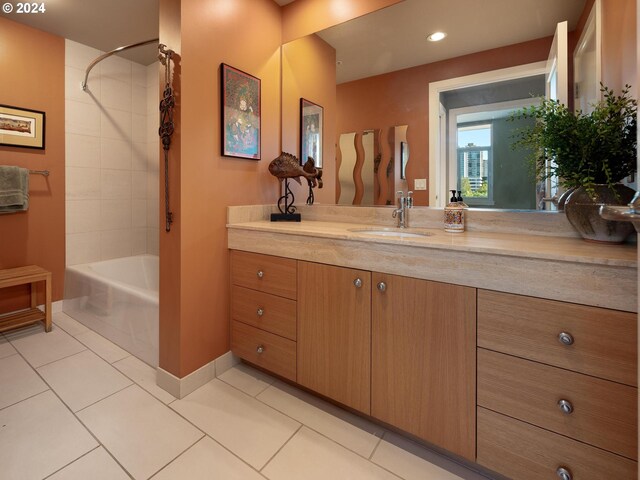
75, 406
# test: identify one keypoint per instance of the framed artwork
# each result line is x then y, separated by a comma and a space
310, 132
240, 113
21, 127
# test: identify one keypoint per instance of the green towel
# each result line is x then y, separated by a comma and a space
14, 189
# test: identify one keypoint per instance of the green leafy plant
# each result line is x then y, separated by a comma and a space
580, 149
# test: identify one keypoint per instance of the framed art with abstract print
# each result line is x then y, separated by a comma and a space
21, 127
240, 114
310, 132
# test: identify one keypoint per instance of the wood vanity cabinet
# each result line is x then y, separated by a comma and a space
424, 360
263, 311
557, 389
334, 333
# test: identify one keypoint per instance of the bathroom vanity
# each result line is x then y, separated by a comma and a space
517, 352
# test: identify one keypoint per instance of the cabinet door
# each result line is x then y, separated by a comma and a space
334, 333
424, 360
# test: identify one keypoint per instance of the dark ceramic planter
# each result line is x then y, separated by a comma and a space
583, 213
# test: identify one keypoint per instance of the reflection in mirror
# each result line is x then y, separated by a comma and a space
346, 187
385, 67
481, 161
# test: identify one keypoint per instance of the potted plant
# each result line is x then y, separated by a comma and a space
588, 153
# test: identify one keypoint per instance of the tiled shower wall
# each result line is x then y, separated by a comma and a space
112, 157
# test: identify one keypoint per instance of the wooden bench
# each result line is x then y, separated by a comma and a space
30, 274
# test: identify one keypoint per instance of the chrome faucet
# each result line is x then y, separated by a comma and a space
402, 212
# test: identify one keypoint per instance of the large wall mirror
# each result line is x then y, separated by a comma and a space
372, 75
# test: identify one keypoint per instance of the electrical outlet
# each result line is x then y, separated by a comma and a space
420, 184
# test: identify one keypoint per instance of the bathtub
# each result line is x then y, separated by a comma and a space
119, 300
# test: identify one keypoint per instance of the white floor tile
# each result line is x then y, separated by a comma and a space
247, 427
103, 347
82, 379
96, 465
341, 426
207, 460
40, 348
40, 436
68, 324
413, 462
247, 379
18, 381
139, 431
311, 456
5, 347
145, 376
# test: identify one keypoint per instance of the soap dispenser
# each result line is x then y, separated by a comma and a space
454, 214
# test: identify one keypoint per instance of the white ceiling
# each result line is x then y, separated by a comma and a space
395, 37
387, 40
102, 24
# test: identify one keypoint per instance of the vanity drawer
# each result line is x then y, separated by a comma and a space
525, 452
602, 342
264, 349
275, 275
262, 310
604, 413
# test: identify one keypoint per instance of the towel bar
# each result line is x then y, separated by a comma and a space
39, 172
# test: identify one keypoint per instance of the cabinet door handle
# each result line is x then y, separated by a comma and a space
357, 282
260, 274
260, 349
565, 338
565, 406
260, 311
564, 473
382, 286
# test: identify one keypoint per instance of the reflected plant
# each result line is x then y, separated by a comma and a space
580, 149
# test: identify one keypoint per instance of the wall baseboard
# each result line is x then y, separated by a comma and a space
181, 387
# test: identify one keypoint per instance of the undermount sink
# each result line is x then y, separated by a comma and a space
391, 232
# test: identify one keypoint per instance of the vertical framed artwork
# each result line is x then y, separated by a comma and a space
240, 113
311, 132
21, 127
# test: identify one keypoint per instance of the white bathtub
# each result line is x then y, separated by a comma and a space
119, 300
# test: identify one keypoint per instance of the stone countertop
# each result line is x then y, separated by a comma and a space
564, 249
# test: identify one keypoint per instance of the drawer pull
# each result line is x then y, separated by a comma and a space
357, 282
564, 473
260, 349
565, 406
260, 274
382, 286
565, 338
260, 311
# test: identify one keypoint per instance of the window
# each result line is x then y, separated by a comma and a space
474, 164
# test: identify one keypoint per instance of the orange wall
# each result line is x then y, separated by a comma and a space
304, 17
402, 98
309, 71
32, 66
195, 268
619, 43
170, 242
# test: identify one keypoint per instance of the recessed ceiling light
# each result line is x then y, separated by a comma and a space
339, 62
436, 36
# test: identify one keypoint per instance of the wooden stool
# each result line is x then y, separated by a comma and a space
21, 276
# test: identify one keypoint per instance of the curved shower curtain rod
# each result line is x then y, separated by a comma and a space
108, 54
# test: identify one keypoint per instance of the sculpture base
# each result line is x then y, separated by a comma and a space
286, 217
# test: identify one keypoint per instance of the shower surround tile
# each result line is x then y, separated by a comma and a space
110, 132
115, 154
82, 151
82, 118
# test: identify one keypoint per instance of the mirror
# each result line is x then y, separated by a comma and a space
382, 66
